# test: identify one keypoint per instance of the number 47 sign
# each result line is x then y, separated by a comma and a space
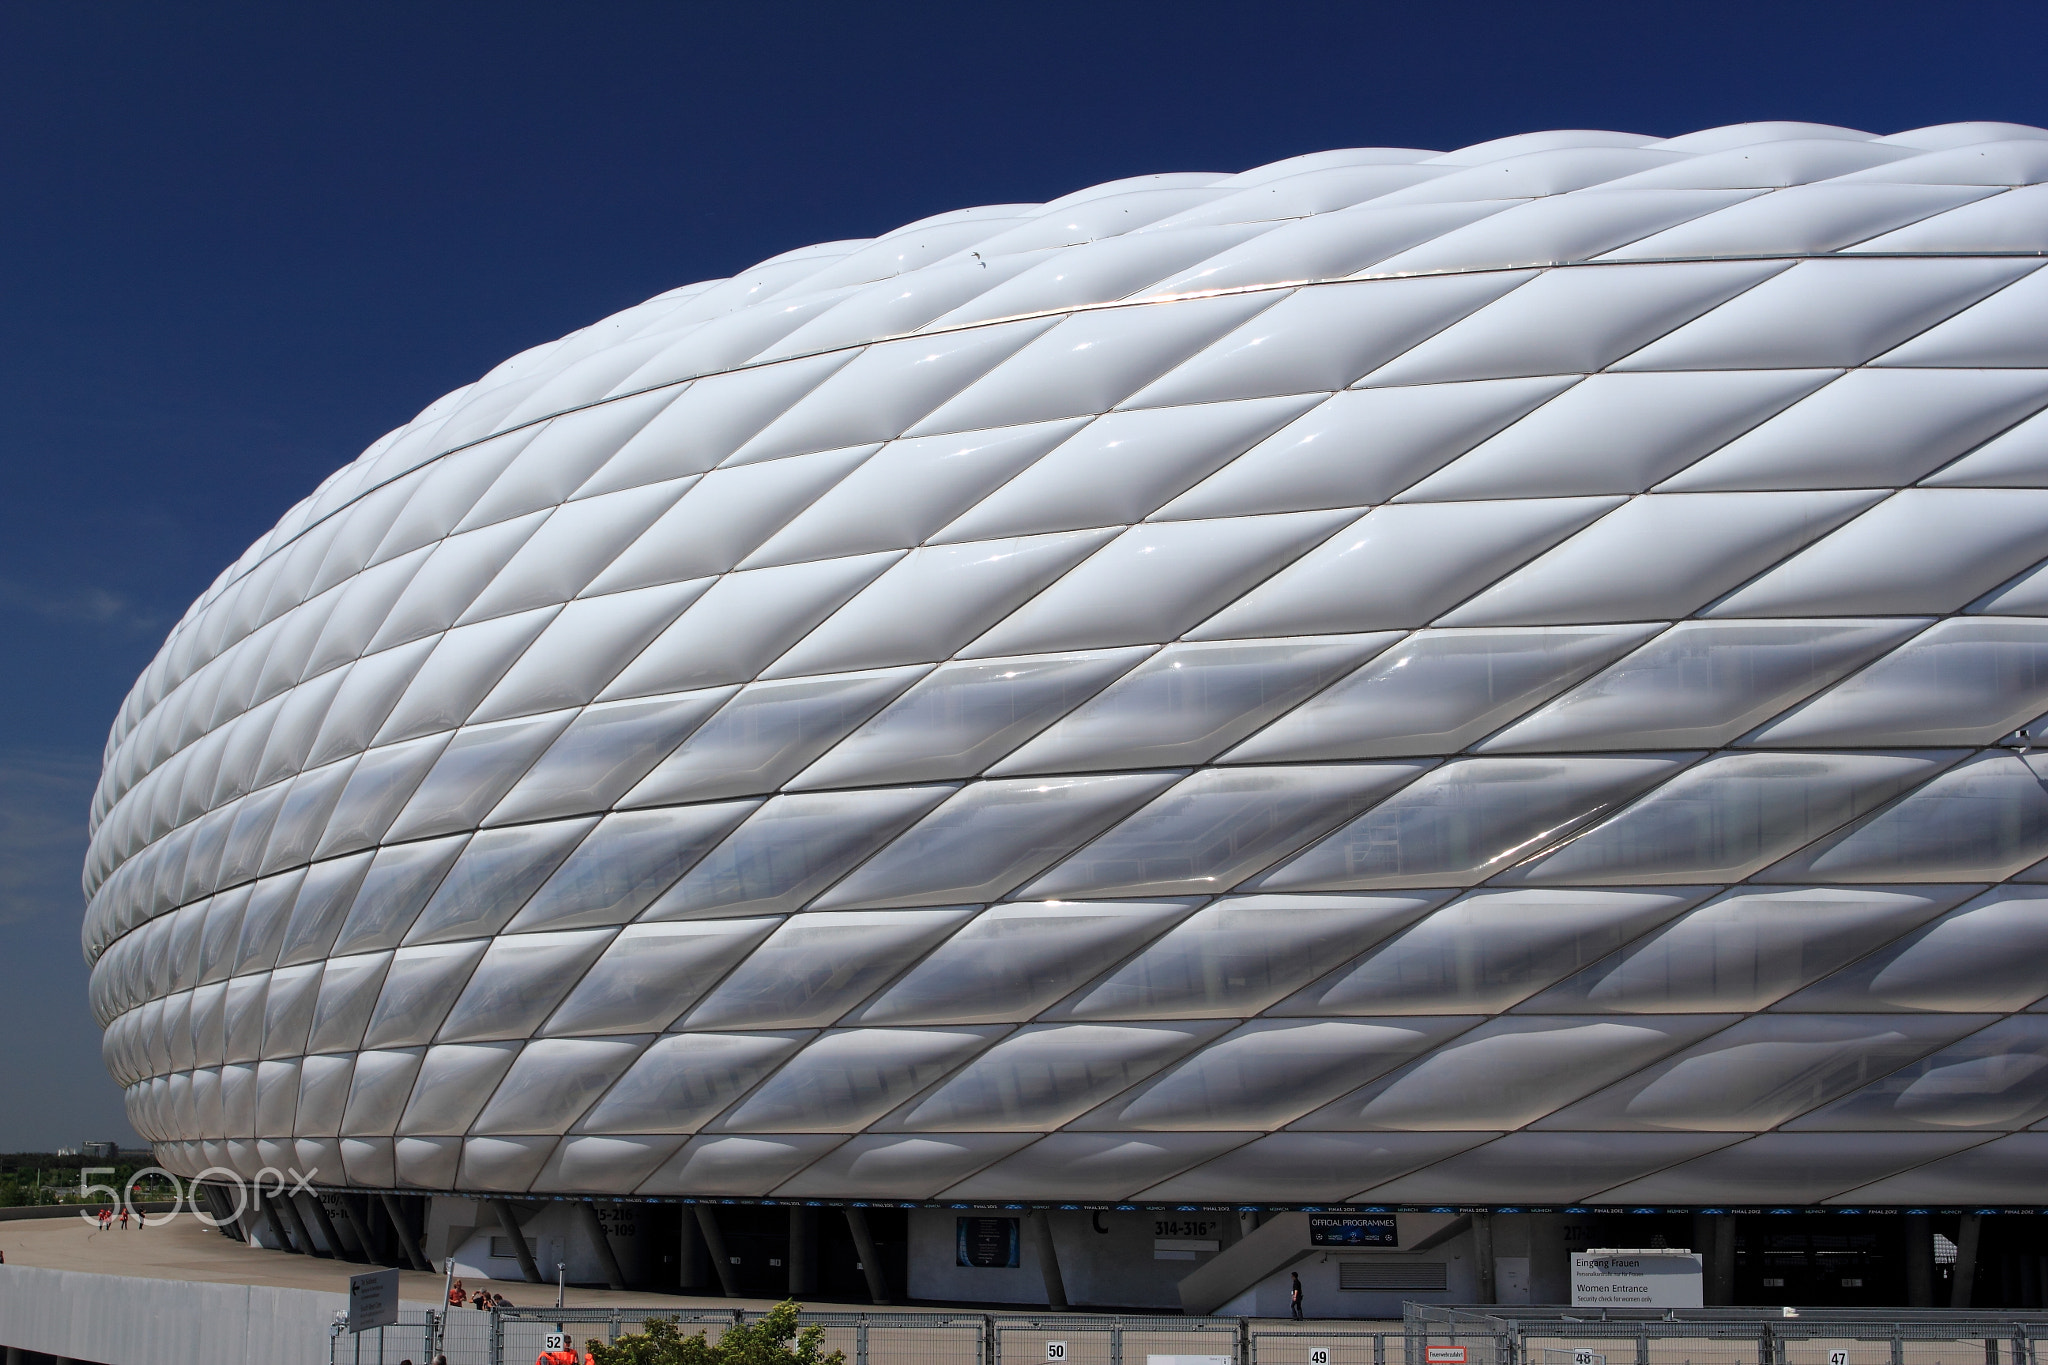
1838, 1358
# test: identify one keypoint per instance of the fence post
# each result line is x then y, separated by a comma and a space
497, 1338
1116, 1344
1642, 1348
1898, 1345
1379, 1348
990, 1352
1247, 1344
860, 1342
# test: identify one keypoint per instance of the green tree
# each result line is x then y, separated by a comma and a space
774, 1340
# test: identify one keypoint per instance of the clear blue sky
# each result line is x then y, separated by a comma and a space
239, 242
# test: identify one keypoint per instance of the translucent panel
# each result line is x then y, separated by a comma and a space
477, 768
1982, 820
1745, 949
887, 388
723, 517
1329, 246
584, 647
209, 1023
935, 599
1309, 1167
1108, 268
378, 1090
427, 1162
348, 992
1467, 820
991, 836
571, 546
382, 782
502, 1163
1122, 467
1361, 447
1271, 1071
1619, 433
238, 1100
1489, 950
1155, 581
1011, 961
1979, 1175
519, 982
243, 1040
1806, 218
1792, 1167
603, 1165
264, 920
1826, 312
792, 848
686, 1078
185, 944
1220, 826
1921, 550
605, 750
554, 1081
2004, 222
1885, 427
1556, 1168
1093, 1165
1324, 339
326, 895
736, 1165
419, 986
1958, 682
563, 454
765, 734
628, 860
906, 491
1701, 682
323, 1094
464, 666
743, 621
454, 1083
242, 856
1436, 692
400, 881
302, 819
1996, 1078
1509, 1072
1041, 1077
1998, 331
1189, 702
277, 1096
1729, 816
896, 1166
841, 1081
1090, 363
288, 1009
1988, 955
1572, 322
442, 589
492, 879
962, 716
1401, 566
1237, 956
817, 967
1764, 1070
1660, 557
653, 972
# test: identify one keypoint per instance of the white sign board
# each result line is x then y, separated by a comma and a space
1636, 1279
372, 1300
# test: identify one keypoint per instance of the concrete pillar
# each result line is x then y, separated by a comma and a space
1918, 1230
15, 1356
593, 1228
870, 1260
714, 1243
803, 1251
296, 1221
328, 1232
509, 1221
278, 1232
1713, 1237
1482, 1256
1550, 1265
693, 1269
1038, 1227
1967, 1236
358, 1228
394, 1213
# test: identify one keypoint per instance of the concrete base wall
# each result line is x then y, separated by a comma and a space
114, 1320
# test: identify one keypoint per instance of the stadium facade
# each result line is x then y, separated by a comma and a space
1424, 685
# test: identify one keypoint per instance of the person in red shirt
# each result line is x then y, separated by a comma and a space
456, 1294
566, 1355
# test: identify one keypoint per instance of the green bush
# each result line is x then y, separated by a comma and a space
774, 1340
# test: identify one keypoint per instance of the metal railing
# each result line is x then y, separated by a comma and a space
1740, 1336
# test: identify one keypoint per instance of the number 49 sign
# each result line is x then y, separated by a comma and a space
1319, 1356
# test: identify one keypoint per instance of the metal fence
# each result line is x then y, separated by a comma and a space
1739, 1336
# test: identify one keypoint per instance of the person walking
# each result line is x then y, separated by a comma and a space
1294, 1295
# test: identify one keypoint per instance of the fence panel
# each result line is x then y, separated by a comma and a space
1318, 1346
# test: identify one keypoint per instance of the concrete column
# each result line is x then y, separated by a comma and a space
1550, 1265
870, 1261
692, 1272
1918, 1230
296, 1220
1713, 1237
1038, 1227
268, 1208
1967, 1237
1482, 1255
593, 1227
15, 1356
395, 1215
714, 1243
509, 1220
803, 1251
358, 1228
328, 1232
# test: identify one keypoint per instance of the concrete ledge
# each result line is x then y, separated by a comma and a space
119, 1320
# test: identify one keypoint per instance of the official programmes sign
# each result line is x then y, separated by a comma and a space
1655, 1278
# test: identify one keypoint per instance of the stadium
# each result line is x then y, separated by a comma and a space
1443, 707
